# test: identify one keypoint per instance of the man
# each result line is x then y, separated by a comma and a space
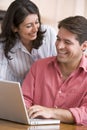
56, 87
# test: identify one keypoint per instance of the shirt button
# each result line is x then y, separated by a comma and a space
60, 92
55, 107
61, 75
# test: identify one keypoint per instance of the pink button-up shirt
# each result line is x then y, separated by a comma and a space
44, 86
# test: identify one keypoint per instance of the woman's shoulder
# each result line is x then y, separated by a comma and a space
1, 45
1, 49
47, 27
2, 55
50, 31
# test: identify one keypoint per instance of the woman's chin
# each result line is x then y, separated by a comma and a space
33, 38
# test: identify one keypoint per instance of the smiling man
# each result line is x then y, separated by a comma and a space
56, 87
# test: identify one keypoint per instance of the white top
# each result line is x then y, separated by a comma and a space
17, 68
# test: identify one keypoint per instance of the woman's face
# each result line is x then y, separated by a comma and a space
28, 29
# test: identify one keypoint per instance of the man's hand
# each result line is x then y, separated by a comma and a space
55, 113
40, 111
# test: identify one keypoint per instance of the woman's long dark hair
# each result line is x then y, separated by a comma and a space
15, 15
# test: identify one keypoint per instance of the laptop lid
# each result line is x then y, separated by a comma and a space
12, 105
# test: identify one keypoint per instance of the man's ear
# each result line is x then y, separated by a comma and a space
84, 46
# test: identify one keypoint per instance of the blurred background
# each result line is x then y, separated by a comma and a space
53, 11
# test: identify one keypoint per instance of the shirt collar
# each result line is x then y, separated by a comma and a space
19, 45
53, 60
83, 63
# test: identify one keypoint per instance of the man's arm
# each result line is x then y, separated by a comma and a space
54, 113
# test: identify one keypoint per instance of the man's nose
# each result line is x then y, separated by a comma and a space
60, 45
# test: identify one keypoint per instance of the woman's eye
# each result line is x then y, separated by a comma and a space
28, 26
37, 22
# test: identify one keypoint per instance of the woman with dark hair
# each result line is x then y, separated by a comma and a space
23, 40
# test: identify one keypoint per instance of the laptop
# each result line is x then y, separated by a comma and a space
44, 127
12, 105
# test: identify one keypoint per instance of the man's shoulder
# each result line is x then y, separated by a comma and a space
44, 61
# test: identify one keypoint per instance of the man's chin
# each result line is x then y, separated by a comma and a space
62, 60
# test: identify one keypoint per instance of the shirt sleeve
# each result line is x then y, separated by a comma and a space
80, 113
3, 64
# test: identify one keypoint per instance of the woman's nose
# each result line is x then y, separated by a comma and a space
34, 28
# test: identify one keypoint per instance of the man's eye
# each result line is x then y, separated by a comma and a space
68, 42
58, 39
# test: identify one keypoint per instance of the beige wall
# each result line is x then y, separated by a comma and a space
54, 10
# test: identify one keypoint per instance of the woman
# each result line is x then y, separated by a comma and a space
23, 40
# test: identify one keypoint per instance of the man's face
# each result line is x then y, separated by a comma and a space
68, 47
